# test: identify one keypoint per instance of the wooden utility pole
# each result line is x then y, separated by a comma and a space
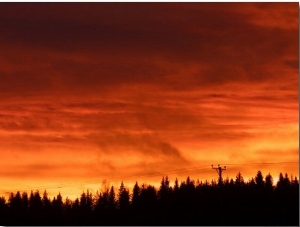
219, 170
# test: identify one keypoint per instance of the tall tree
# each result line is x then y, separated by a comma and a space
25, 202
239, 180
83, 202
164, 189
123, 197
76, 206
46, 202
269, 182
102, 202
15, 202
135, 195
286, 179
259, 179
68, 209
148, 197
68, 206
59, 203
35, 202
281, 182
176, 186
112, 198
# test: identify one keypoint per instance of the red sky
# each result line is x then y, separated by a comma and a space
134, 91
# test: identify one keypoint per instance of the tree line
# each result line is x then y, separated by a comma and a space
258, 201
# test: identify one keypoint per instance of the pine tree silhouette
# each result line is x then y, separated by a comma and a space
256, 202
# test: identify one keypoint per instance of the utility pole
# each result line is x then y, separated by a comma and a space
219, 170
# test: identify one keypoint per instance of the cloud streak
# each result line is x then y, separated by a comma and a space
122, 89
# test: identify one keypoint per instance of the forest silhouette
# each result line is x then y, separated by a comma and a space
226, 202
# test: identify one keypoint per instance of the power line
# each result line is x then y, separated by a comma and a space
263, 163
151, 174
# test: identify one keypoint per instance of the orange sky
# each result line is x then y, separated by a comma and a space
134, 91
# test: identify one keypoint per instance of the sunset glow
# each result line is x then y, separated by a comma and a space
96, 93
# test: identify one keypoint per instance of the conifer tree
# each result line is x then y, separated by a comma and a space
259, 179
135, 195
123, 197
46, 202
239, 180
112, 198
25, 202
269, 182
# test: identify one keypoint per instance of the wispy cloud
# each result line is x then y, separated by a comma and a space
121, 88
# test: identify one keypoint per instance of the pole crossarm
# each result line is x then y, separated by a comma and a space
219, 170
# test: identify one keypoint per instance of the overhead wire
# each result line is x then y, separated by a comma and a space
151, 174
116, 178
261, 163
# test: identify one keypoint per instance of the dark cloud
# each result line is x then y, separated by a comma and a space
137, 144
122, 39
292, 63
125, 87
42, 169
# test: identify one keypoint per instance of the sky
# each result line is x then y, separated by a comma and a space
96, 93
